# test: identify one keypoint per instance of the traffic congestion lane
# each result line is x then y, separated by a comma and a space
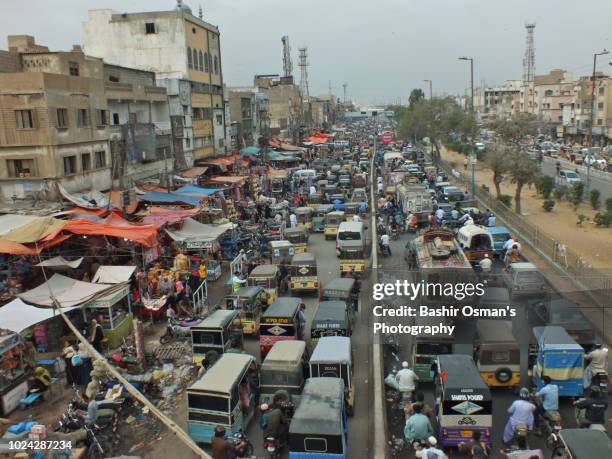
603, 184
328, 268
395, 268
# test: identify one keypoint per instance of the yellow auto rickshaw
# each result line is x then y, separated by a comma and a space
298, 237
332, 222
304, 217
267, 277
303, 272
250, 301
281, 252
497, 353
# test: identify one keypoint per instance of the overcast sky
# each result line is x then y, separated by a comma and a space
380, 48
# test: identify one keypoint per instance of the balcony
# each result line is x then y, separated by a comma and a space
122, 87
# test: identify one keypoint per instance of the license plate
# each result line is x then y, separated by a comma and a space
466, 433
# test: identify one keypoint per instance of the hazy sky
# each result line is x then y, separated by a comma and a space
381, 48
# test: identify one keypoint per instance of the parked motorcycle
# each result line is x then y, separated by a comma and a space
177, 330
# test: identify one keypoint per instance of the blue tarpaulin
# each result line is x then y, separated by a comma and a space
250, 151
157, 196
197, 190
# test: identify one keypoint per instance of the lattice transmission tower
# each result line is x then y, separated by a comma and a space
304, 73
529, 59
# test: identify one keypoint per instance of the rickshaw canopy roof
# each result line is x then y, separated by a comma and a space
284, 352
264, 271
344, 284
461, 373
247, 292
280, 244
332, 349
336, 196
586, 443
292, 231
320, 408
495, 295
336, 213
554, 338
304, 258
218, 319
284, 306
495, 331
331, 310
324, 208
303, 210
222, 376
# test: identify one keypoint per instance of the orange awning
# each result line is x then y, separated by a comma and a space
233, 179
194, 172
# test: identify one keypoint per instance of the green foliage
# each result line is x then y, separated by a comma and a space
545, 185
548, 205
603, 219
581, 218
523, 172
416, 96
576, 194
609, 204
560, 193
506, 199
594, 197
516, 128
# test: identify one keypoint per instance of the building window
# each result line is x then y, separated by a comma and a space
216, 65
600, 106
602, 90
219, 119
221, 143
20, 168
115, 119
195, 59
82, 117
548, 93
113, 78
102, 117
100, 158
193, 30
185, 110
187, 142
201, 64
197, 113
149, 27
599, 122
73, 68
86, 162
24, 119
210, 65
189, 61
62, 117
206, 62
70, 165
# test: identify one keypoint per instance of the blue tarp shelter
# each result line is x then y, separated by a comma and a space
197, 190
250, 151
159, 197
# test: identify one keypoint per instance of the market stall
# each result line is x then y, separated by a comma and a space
13, 374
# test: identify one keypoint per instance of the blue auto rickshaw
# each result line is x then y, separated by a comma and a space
500, 235
318, 218
319, 427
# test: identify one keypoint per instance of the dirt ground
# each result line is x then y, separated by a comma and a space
593, 242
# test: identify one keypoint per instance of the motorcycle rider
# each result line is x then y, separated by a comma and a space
220, 447
277, 424
521, 411
598, 363
549, 394
594, 407
384, 243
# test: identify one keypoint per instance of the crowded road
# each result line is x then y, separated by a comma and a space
600, 180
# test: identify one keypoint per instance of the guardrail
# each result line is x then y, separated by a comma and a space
200, 298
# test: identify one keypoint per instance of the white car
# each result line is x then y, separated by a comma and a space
568, 178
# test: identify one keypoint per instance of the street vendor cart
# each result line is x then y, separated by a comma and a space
114, 312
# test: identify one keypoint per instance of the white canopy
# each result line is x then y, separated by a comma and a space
9, 222
67, 291
60, 262
16, 316
113, 274
193, 230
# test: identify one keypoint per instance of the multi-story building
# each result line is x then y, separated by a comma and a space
177, 46
284, 105
577, 113
243, 115
500, 102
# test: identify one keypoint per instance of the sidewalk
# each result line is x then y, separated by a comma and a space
588, 240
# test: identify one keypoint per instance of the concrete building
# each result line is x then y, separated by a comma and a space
243, 115
500, 102
177, 46
576, 114
284, 105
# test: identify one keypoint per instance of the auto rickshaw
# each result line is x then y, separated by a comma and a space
332, 222
342, 289
582, 444
338, 200
333, 357
331, 319
283, 370
298, 237
426, 348
359, 195
278, 323
350, 209
352, 261
222, 396
250, 301
497, 354
304, 217
215, 335
318, 217
281, 252
267, 277
315, 199
319, 423
303, 273
330, 188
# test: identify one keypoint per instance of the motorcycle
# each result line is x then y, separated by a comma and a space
273, 447
385, 250
579, 415
242, 445
601, 380
177, 330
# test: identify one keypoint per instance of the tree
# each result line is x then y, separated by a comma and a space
498, 160
545, 185
594, 197
523, 172
416, 96
516, 128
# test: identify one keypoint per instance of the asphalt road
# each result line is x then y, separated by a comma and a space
395, 267
604, 185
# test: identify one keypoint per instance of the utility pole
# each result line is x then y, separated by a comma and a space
472, 114
430, 88
344, 86
592, 120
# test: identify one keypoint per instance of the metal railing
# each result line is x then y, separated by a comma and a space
200, 298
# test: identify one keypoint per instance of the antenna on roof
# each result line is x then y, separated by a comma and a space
200, 14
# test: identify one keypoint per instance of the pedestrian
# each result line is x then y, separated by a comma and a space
237, 281
465, 164
67, 353
417, 428
221, 448
301, 321
432, 220
406, 380
476, 448
485, 265
96, 335
491, 221
293, 220
430, 450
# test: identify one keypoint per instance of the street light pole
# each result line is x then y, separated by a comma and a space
592, 120
472, 155
430, 88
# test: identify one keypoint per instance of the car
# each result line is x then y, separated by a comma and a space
567, 177
447, 208
450, 194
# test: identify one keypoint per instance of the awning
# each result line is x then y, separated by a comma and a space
92, 200
221, 161
16, 316
113, 274
10, 222
233, 179
156, 196
159, 216
33, 231
60, 262
15, 248
250, 151
67, 292
196, 190
194, 172
192, 230
114, 226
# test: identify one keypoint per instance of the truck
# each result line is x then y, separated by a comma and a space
415, 199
